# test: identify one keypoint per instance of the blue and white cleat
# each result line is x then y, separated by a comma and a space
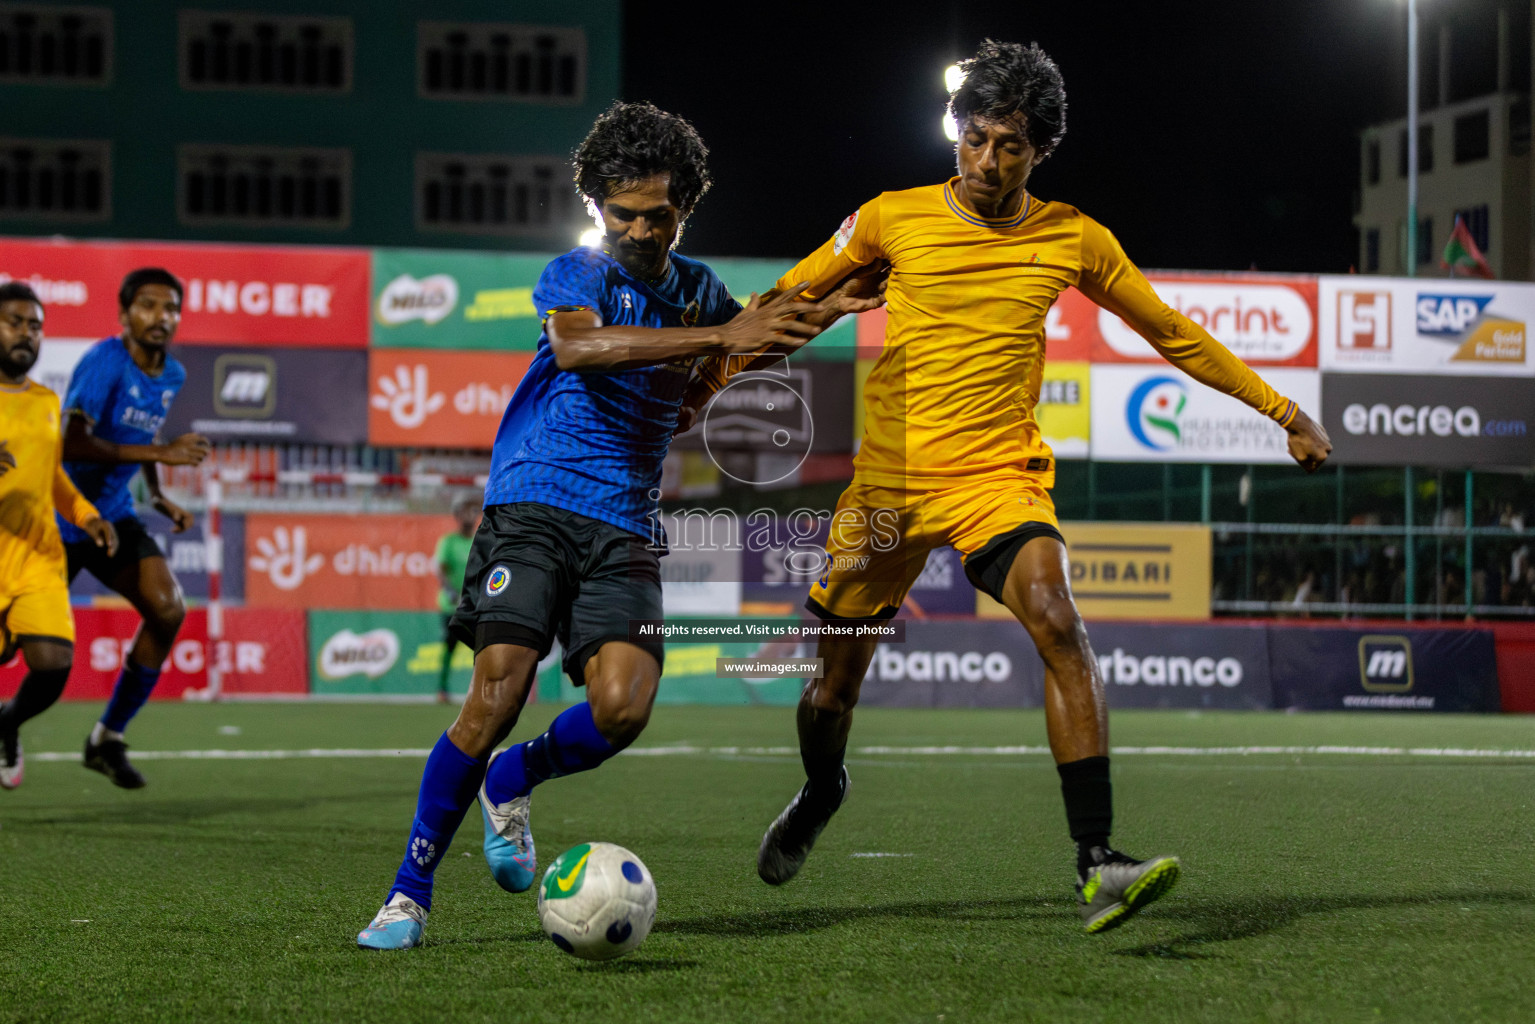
397, 926
509, 841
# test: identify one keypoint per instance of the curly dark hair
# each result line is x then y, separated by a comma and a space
1004, 79
18, 291
137, 279
632, 141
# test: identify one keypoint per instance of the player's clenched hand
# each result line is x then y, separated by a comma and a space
774, 321
181, 519
186, 450
103, 533
1309, 443
7, 460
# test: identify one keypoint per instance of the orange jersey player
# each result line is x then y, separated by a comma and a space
952, 453
34, 592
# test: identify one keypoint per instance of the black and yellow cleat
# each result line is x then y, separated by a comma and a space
1117, 886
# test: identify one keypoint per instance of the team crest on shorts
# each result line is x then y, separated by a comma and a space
497, 580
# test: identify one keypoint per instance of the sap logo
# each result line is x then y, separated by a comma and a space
1385, 663
244, 386
1364, 320
405, 299
1449, 314
348, 654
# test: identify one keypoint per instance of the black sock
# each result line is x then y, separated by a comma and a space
824, 778
1089, 800
37, 693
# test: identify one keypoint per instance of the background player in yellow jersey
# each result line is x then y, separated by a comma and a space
34, 595
952, 453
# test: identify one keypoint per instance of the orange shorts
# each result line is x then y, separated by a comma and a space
881, 536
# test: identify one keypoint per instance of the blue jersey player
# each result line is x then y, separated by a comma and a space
562, 550
117, 400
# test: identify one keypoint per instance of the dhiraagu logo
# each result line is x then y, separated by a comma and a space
564, 877
1154, 410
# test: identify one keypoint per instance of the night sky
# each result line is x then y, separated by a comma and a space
1211, 136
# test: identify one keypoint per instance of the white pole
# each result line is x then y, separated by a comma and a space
1412, 138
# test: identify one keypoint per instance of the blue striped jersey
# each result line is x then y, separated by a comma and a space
593, 442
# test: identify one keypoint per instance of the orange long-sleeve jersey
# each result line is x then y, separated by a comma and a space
35, 486
953, 392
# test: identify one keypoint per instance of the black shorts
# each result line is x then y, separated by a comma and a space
987, 569
134, 544
537, 572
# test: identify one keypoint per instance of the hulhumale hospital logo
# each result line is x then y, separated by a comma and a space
1153, 412
497, 580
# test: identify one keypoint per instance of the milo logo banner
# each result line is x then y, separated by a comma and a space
369, 652
426, 298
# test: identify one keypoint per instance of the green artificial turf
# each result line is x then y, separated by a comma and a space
1317, 886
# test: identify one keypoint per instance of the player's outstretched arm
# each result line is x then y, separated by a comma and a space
82, 445
1308, 442
581, 342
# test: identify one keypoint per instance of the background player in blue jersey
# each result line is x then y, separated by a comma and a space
118, 399
562, 549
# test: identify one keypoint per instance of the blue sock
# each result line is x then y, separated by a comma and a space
571, 745
448, 787
133, 688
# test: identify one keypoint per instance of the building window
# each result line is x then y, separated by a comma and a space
1425, 240
1372, 162
55, 45
1372, 250
262, 186
1478, 223
1425, 150
1519, 127
264, 52
55, 179
1473, 140
494, 195
492, 61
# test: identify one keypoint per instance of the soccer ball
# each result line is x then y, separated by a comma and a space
597, 901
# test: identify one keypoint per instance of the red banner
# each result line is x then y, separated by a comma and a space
428, 398
236, 295
315, 561
263, 651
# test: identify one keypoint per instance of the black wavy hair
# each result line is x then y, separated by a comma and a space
1004, 79
632, 141
18, 291
137, 279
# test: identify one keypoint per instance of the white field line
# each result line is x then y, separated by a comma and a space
688, 750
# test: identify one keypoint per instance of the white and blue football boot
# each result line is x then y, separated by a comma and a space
508, 840
397, 926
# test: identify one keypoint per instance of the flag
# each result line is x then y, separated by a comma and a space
1461, 254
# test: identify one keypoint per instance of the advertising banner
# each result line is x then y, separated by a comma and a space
434, 298
1157, 414
1422, 325
56, 361
1267, 320
343, 561
1063, 409
701, 571
187, 556
1201, 665
312, 396
1429, 420
262, 652
1385, 669
235, 294
1132, 571
374, 652
422, 398
956, 664
806, 406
